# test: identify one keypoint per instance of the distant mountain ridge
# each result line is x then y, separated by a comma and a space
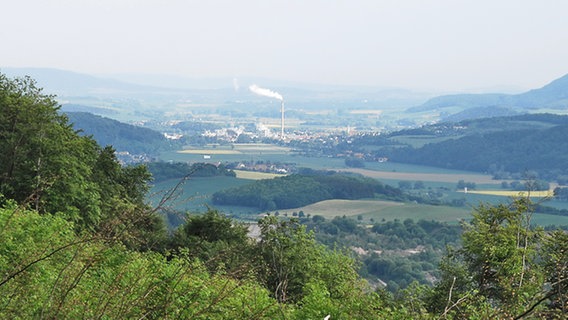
209, 90
553, 95
65, 83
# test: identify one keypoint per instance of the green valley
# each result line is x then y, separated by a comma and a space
214, 226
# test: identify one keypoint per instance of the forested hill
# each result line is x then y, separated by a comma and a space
122, 136
297, 190
500, 146
553, 95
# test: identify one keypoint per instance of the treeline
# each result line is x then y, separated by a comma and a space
45, 165
505, 154
299, 190
162, 171
514, 151
211, 270
503, 267
122, 136
505, 147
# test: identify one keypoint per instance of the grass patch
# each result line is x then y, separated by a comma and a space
336, 207
420, 212
542, 219
381, 211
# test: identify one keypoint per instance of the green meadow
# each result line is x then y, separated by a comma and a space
377, 210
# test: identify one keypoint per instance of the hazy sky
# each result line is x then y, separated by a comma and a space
419, 44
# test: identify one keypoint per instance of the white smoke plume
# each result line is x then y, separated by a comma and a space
236, 86
265, 92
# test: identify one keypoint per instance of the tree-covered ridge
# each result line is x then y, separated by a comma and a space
543, 151
506, 147
299, 190
553, 95
122, 136
162, 171
536, 121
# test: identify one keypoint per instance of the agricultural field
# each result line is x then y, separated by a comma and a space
254, 175
236, 148
337, 207
425, 177
383, 171
209, 151
197, 192
414, 168
231, 153
378, 211
195, 195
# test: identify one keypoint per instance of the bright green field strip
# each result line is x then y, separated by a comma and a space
411, 168
420, 212
557, 204
548, 220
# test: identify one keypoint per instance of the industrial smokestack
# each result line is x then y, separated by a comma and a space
282, 120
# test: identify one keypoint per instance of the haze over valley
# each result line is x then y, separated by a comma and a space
284, 160
489, 145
